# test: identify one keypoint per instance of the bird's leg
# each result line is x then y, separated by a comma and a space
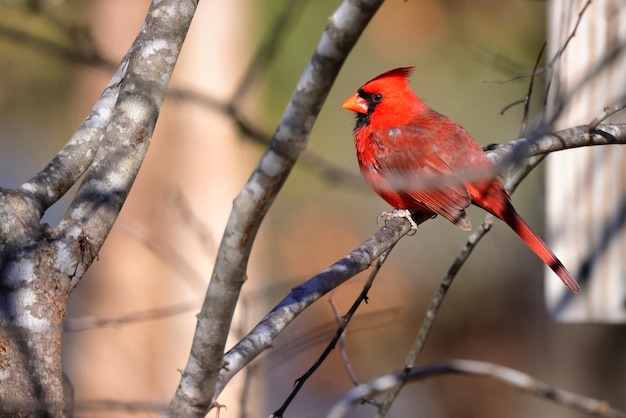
398, 213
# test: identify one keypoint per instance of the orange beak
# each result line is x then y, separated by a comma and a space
355, 103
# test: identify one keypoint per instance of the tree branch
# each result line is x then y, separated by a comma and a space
37, 262
51, 183
128, 131
264, 333
197, 388
343, 324
506, 375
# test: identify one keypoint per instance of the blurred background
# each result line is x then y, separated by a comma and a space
131, 320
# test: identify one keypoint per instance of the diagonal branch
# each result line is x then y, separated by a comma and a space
51, 183
432, 311
89, 55
300, 297
264, 333
511, 181
343, 324
127, 133
197, 388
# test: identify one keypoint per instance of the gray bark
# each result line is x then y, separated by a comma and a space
40, 265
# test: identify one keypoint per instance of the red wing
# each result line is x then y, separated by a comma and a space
408, 159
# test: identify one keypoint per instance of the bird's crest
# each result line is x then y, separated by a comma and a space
403, 72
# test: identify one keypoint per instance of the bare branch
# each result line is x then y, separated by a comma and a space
51, 183
89, 55
432, 311
127, 134
333, 342
559, 53
112, 142
530, 91
264, 333
540, 71
506, 375
526, 100
576, 137
608, 112
40, 266
197, 388
342, 342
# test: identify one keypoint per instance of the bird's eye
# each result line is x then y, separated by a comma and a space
377, 97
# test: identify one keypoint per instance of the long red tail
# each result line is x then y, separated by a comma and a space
509, 215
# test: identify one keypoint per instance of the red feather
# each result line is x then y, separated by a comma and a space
418, 159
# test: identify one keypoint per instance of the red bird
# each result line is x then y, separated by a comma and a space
420, 161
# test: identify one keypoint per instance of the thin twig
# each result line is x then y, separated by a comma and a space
561, 50
530, 92
331, 346
342, 341
366, 322
526, 100
557, 56
433, 309
510, 106
559, 53
608, 112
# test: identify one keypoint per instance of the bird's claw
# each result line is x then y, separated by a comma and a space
398, 213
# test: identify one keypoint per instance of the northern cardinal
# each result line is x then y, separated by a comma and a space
420, 161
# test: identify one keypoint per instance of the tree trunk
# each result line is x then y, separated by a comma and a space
33, 298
